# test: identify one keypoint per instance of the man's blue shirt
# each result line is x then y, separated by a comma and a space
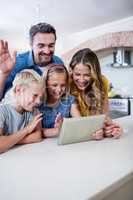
26, 61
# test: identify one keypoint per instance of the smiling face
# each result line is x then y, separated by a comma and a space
56, 86
29, 97
43, 46
81, 76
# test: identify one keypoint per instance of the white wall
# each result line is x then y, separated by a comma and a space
121, 78
65, 44
106, 60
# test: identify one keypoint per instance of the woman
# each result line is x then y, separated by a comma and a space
90, 88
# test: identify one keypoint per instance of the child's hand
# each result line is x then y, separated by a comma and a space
98, 135
34, 123
112, 130
58, 121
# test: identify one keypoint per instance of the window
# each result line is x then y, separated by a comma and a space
127, 57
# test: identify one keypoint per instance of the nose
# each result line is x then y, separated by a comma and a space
46, 50
81, 78
38, 101
58, 89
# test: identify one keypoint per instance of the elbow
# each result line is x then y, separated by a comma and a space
37, 137
3, 150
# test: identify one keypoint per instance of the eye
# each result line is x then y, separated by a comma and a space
40, 46
77, 74
51, 45
63, 85
88, 75
35, 95
54, 85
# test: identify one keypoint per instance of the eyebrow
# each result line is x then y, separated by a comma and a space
43, 44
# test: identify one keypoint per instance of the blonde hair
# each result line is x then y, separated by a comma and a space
95, 92
24, 78
27, 76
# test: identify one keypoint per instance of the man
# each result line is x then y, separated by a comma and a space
42, 42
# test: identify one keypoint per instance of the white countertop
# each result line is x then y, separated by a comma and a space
47, 171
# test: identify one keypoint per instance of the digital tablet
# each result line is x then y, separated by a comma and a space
79, 129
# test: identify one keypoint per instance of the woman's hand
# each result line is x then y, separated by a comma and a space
98, 135
112, 129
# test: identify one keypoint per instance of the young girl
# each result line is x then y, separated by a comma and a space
90, 88
19, 120
59, 103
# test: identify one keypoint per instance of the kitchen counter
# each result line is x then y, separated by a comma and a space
92, 170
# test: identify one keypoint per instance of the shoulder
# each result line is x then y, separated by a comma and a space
22, 62
70, 99
22, 56
105, 83
4, 106
57, 60
3, 115
4, 110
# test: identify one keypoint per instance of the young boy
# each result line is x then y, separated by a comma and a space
19, 118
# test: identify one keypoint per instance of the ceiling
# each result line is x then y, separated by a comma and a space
68, 16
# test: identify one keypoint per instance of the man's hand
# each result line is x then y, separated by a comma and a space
7, 62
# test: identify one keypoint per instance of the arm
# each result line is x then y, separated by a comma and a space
74, 110
50, 132
35, 136
112, 129
106, 105
98, 135
53, 132
8, 141
2, 83
7, 63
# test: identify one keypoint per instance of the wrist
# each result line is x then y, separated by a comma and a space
3, 74
25, 131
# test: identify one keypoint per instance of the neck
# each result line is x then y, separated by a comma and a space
52, 101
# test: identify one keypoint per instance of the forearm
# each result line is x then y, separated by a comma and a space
50, 132
36, 136
2, 84
6, 142
75, 110
106, 105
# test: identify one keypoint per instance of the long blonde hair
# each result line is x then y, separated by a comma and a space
94, 93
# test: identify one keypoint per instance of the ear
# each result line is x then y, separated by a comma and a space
18, 89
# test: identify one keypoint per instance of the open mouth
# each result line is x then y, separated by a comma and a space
81, 84
44, 56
